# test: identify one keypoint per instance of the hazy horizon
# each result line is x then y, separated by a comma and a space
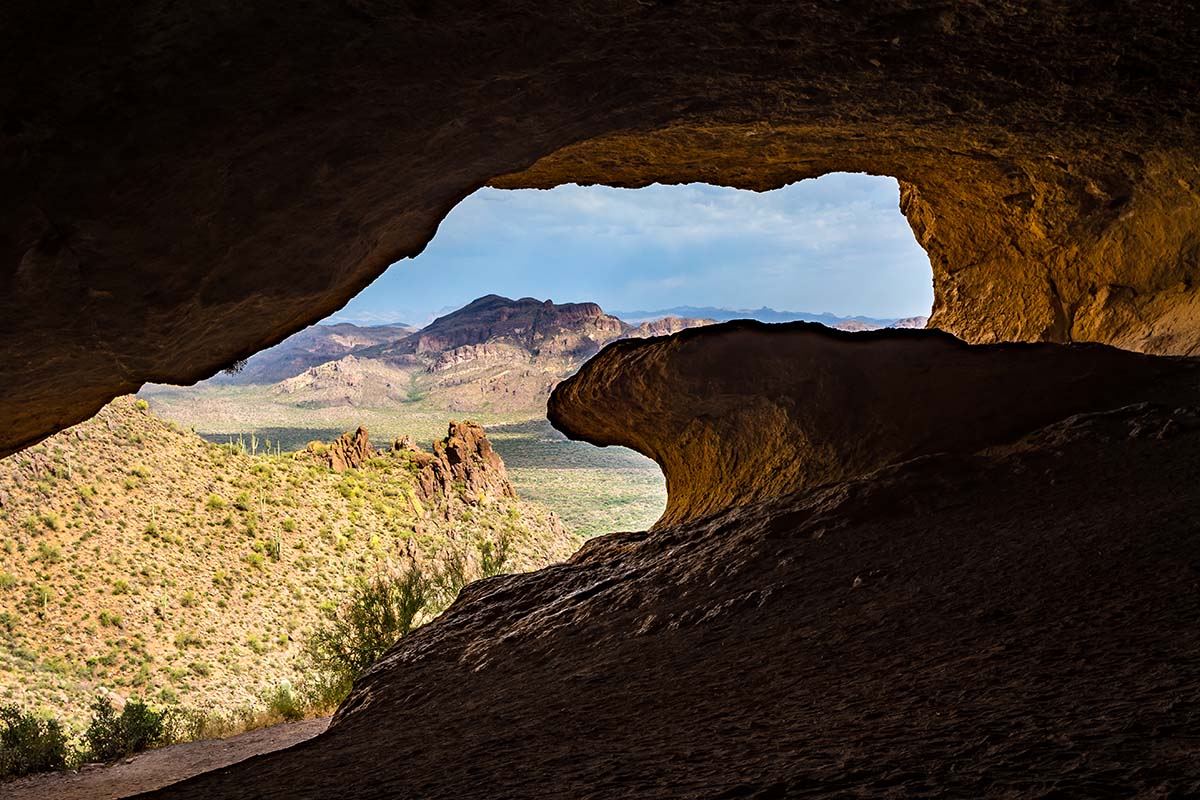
837, 244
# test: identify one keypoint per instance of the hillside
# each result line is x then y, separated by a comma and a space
495, 360
146, 560
308, 348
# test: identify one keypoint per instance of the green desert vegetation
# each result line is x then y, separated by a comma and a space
376, 614
594, 490
199, 586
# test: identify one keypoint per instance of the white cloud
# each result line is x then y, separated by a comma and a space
838, 242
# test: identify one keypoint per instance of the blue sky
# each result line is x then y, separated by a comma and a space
837, 243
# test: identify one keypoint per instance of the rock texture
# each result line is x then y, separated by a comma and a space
742, 411
575, 330
463, 464
348, 451
1017, 622
186, 184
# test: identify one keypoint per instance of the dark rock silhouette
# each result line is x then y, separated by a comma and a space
216, 176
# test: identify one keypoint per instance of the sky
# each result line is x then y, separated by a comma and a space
833, 244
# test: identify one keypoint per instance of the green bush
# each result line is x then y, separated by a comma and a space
379, 613
283, 702
29, 744
110, 735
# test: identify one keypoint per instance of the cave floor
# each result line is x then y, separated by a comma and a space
1016, 623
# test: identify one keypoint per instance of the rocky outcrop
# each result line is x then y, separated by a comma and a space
536, 326
462, 465
348, 451
1017, 622
742, 412
216, 176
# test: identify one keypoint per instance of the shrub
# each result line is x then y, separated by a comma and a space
378, 614
7, 580
110, 735
186, 639
142, 405
29, 744
48, 553
214, 503
283, 702
493, 556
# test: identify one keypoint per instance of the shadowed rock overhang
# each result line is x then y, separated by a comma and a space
185, 184
744, 412
1014, 622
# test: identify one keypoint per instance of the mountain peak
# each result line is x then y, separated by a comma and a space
527, 322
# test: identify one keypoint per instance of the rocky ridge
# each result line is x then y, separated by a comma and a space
505, 354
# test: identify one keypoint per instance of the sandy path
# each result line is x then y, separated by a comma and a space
155, 769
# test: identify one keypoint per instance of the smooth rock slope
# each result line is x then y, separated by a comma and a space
744, 411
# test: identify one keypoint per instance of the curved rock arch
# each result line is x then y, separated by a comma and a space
188, 185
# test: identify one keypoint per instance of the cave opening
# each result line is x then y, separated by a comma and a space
252, 492
834, 250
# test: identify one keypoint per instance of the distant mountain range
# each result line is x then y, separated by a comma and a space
496, 353
308, 348
765, 314
495, 359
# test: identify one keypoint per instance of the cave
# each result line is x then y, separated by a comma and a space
943, 563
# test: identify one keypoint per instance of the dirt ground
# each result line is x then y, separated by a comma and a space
155, 769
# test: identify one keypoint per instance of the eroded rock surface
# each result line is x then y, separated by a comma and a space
743, 411
185, 184
349, 451
464, 463
1019, 622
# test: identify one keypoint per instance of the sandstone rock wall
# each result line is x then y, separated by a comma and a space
186, 184
743, 412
